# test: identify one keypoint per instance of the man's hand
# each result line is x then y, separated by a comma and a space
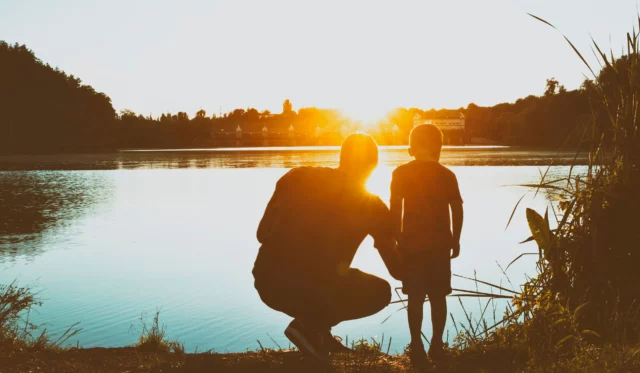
455, 250
394, 263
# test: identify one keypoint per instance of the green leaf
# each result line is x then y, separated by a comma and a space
539, 229
546, 216
566, 215
519, 256
545, 186
514, 211
578, 309
590, 332
565, 339
569, 41
529, 239
541, 20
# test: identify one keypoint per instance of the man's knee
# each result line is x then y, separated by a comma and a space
381, 294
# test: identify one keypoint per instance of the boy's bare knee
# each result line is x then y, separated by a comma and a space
438, 299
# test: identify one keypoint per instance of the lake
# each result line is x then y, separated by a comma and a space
107, 238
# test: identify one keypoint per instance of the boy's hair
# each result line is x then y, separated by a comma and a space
426, 137
359, 150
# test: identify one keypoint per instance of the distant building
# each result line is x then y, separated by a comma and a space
451, 123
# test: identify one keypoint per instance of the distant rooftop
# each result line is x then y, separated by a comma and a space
442, 114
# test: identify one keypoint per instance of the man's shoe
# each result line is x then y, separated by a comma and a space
418, 358
307, 341
333, 344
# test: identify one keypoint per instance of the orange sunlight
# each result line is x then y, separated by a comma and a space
367, 117
378, 182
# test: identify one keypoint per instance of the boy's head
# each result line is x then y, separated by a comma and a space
359, 156
425, 142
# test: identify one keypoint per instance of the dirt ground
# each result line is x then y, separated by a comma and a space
111, 360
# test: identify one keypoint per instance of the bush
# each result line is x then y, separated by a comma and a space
17, 332
153, 338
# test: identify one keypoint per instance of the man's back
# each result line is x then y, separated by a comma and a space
427, 188
316, 221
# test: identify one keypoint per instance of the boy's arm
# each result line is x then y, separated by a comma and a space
457, 216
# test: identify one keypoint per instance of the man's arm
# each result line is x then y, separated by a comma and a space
396, 203
391, 259
269, 218
396, 215
385, 239
457, 216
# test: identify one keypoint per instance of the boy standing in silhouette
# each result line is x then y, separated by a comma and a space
423, 192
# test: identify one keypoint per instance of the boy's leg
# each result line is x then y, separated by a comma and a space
438, 318
417, 354
415, 304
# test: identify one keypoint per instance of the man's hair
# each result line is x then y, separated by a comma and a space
359, 149
426, 137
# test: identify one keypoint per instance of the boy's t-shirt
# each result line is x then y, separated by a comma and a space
427, 189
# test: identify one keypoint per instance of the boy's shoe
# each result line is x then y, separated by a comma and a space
436, 352
418, 357
333, 344
309, 342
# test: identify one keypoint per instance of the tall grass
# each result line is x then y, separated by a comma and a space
589, 263
587, 289
153, 337
17, 332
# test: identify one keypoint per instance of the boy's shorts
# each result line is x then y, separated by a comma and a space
427, 272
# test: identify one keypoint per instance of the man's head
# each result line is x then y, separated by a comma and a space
359, 156
425, 142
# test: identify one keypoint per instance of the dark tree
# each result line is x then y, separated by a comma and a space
44, 109
552, 85
287, 107
201, 114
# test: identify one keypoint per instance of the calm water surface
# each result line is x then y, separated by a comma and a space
105, 238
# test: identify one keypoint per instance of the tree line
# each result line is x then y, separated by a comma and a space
44, 109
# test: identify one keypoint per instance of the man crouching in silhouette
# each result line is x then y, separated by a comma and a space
310, 232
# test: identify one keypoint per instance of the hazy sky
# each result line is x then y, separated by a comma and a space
363, 56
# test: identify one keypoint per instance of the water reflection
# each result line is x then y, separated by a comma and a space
144, 233
38, 201
277, 158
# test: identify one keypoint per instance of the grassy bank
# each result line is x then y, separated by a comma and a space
26, 347
603, 359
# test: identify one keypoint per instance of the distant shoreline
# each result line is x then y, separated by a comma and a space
279, 157
307, 148
111, 150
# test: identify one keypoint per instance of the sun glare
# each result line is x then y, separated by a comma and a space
378, 182
366, 116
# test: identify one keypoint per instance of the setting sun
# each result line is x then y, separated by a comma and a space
367, 116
